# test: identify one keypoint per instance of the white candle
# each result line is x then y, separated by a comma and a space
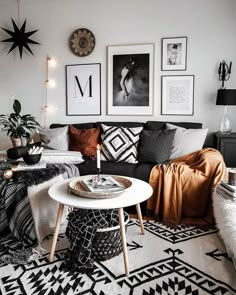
98, 157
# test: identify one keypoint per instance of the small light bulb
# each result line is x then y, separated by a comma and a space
51, 109
52, 62
51, 83
8, 174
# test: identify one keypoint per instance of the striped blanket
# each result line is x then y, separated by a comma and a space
17, 226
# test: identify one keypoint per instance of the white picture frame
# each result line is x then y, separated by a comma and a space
174, 54
177, 95
130, 79
83, 89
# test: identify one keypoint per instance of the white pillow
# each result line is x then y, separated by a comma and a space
68, 157
56, 138
186, 141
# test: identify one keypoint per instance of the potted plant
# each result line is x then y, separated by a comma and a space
17, 126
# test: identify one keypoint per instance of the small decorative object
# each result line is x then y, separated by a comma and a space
130, 79
82, 42
224, 72
33, 156
20, 38
232, 177
98, 158
83, 87
18, 126
32, 159
97, 178
225, 97
7, 174
174, 54
177, 95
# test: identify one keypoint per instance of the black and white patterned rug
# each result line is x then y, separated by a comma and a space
170, 261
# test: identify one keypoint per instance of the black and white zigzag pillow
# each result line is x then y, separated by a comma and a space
119, 144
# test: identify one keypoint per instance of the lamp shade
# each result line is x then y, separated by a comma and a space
226, 97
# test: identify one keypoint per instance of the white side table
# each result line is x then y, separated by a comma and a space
137, 193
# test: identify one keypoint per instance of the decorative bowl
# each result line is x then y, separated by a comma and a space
32, 159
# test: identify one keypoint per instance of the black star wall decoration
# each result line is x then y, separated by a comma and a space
20, 38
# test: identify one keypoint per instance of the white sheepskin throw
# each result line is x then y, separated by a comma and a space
225, 215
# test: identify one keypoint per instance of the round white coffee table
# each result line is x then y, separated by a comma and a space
138, 192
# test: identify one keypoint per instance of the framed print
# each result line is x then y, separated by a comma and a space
130, 79
177, 95
83, 89
174, 54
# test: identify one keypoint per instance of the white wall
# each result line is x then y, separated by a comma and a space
210, 26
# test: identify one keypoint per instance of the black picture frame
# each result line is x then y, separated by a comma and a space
174, 54
83, 89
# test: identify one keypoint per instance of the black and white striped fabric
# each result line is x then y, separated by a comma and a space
17, 229
120, 143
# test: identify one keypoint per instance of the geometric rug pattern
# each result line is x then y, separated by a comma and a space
182, 260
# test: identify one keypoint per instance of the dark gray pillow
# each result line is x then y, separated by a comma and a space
155, 146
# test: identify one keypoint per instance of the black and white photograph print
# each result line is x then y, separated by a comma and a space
130, 79
83, 89
174, 54
177, 95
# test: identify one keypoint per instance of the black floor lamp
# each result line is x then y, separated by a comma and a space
225, 97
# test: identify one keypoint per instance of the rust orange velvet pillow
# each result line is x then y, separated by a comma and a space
84, 140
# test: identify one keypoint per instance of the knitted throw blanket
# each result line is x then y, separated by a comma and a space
17, 231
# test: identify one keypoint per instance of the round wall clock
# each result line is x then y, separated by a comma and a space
82, 42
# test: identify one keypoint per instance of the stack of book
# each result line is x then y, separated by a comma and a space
105, 183
23, 166
226, 190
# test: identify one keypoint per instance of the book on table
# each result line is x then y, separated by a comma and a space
106, 183
21, 166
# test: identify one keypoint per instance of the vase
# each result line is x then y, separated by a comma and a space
16, 141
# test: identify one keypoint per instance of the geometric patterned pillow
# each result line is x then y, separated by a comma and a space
119, 144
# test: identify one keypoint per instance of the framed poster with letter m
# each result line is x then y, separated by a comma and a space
83, 89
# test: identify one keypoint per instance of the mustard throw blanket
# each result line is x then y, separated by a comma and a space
182, 188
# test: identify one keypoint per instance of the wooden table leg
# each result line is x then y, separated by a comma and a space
57, 227
138, 209
123, 240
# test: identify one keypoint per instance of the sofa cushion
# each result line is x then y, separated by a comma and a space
155, 146
120, 144
56, 139
137, 170
84, 140
186, 140
55, 156
156, 125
